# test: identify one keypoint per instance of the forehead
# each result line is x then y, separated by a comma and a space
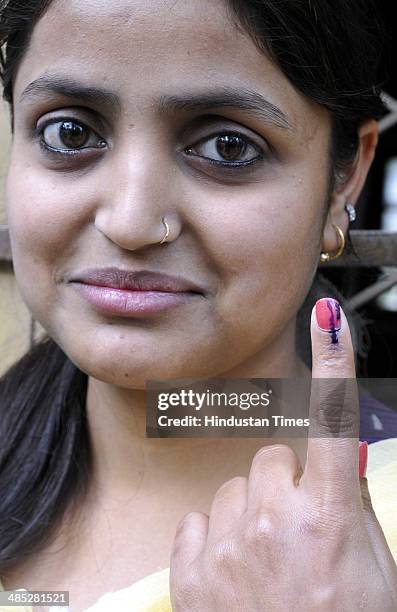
141, 49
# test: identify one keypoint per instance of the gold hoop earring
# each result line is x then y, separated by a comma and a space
324, 257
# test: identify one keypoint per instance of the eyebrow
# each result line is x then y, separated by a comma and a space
252, 102
64, 86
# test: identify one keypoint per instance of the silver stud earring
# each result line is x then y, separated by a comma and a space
351, 211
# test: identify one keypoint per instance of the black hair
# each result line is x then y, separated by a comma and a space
45, 456
320, 45
329, 50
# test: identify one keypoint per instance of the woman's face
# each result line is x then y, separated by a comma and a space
248, 235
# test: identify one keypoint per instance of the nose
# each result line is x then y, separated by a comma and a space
134, 199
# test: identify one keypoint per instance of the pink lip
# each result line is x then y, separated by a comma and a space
128, 293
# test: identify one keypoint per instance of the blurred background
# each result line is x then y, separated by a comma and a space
15, 321
376, 209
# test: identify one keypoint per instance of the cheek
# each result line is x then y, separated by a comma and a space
42, 224
269, 250
31, 219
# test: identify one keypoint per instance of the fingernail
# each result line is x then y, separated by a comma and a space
328, 316
363, 458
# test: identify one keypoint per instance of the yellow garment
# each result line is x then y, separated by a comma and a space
151, 594
382, 485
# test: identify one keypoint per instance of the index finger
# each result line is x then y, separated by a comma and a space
332, 452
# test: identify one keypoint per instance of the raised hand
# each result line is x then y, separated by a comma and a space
284, 539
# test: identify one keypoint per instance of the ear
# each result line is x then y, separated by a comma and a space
350, 188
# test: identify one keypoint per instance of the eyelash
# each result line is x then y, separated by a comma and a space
39, 133
231, 164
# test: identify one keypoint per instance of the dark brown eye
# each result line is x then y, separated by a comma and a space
73, 134
69, 136
230, 147
227, 149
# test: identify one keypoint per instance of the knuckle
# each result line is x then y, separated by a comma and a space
327, 524
336, 406
183, 532
268, 452
186, 518
225, 555
336, 419
336, 401
315, 524
261, 528
184, 522
227, 488
265, 543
